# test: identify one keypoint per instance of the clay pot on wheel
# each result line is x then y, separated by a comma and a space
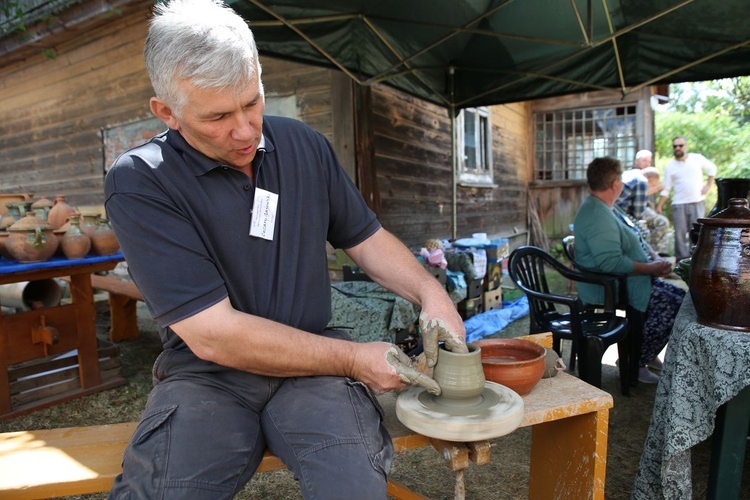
31, 239
459, 375
720, 266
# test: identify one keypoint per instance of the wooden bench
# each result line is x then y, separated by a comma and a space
123, 300
569, 420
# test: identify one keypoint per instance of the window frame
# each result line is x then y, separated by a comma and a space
480, 176
567, 139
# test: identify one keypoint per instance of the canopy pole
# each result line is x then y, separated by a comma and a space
454, 157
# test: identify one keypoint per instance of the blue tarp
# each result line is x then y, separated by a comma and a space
492, 321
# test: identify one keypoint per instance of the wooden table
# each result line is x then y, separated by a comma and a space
705, 381
26, 335
570, 425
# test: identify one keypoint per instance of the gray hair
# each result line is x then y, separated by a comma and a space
602, 171
643, 153
202, 41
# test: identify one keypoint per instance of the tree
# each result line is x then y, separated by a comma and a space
714, 117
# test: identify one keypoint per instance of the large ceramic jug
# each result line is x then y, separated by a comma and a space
720, 268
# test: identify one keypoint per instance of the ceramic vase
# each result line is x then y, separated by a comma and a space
459, 375
103, 240
75, 243
60, 212
31, 239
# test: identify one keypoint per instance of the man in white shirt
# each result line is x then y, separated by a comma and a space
685, 173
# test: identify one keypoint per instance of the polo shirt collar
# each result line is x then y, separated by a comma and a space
199, 163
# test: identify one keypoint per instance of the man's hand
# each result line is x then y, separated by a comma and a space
435, 330
406, 369
383, 367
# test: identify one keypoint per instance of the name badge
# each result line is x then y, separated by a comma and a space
264, 214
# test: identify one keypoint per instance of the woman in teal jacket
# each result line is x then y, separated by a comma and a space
607, 241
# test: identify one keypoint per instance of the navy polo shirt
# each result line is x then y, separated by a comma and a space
183, 224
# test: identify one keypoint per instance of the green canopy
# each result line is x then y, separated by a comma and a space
462, 53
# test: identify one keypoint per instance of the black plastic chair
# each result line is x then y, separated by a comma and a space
590, 331
636, 318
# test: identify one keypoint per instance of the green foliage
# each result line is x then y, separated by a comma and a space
714, 118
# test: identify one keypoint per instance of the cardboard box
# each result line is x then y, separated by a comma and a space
470, 307
475, 288
494, 276
437, 272
492, 299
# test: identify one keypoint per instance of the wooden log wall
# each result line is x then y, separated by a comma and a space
53, 110
412, 158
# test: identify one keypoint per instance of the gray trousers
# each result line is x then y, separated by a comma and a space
683, 216
205, 428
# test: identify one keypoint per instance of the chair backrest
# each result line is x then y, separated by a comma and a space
569, 249
527, 268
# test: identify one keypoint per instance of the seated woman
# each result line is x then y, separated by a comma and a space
606, 240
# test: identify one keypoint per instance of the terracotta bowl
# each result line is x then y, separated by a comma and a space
515, 363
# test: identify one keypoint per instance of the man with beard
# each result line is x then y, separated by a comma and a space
685, 173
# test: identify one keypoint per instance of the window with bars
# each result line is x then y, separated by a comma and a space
567, 140
474, 147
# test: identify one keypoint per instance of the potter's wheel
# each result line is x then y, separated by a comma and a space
496, 412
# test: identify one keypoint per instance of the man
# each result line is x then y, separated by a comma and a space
685, 173
634, 194
223, 221
660, 233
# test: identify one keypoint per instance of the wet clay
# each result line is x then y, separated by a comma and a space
498, 412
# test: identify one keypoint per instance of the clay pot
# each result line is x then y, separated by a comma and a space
42, 206
720, 266
89, 222
4, 251
60, 212
103, 239
31, 239
459, 375
515, 363
75, 243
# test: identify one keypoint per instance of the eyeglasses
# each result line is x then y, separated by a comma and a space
675, 146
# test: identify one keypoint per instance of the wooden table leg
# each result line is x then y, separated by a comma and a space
569, 457
88, 356
123, 318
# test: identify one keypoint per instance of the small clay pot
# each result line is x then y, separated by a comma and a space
60, 212
31, 239
103, 239
515, 363
75, 243
89, 222
4, 251
42, 206
459, 375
